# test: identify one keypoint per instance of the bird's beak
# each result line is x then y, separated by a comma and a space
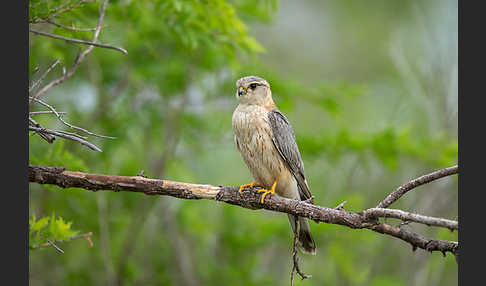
240, 91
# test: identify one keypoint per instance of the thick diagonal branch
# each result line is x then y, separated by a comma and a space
248, 199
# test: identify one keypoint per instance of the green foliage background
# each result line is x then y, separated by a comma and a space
369, 87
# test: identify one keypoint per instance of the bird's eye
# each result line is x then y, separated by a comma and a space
253, 85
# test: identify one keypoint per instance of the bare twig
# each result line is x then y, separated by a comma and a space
79, 59
391, 198
67, 124
46, 137
70, 28
248, 199
60, 10
411, 217
295, 258
51, 243
54, 36
46, 112
63, 6
36, 69
73, 134
341, 206
66, 136
36, 83
55, 246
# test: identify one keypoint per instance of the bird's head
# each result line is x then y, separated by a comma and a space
253, 90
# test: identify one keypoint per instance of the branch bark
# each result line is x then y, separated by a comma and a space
65, 135
406, 216
398, 193
249, 198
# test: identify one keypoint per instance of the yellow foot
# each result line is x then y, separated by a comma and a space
266, 192
254, 184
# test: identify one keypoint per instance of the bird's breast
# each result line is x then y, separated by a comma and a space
253, 139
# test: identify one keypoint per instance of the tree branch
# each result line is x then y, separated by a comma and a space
249, 198
46, 112
391, 198
80, 57
63, 134
77, 41
39, 81
59, 10
67, 124
51, 243
70, 28
406, 216
295, 258
44, 136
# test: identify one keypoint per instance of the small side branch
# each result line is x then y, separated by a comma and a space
70, 28
43, 76
87, 236
44, 136
295, 258
398, 193
67, 124
62, 134
58, 11
407, 216
46, 112
77, 41
80, 57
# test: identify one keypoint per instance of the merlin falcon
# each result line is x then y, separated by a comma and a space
266, 141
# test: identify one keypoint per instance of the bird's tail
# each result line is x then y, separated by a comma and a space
306, 242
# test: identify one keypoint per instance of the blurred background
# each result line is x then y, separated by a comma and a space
370, 89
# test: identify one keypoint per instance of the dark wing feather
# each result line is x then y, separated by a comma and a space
284, 140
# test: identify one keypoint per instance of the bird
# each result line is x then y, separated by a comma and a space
266, 142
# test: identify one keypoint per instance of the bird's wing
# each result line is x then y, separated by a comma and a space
284, 140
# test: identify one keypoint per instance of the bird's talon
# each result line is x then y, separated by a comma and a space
266, 192
242, 187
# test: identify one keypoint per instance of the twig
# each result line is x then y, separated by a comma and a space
70, 28
55, 246
67, 124
391, 198
79, 59
36, 69
46, 112
54, 36
250, 200
341, 206
63, 6
74, 5
51, 243
60, 10
295, 258
73, 134
411, 217
36, 83
46, 137
66, 136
